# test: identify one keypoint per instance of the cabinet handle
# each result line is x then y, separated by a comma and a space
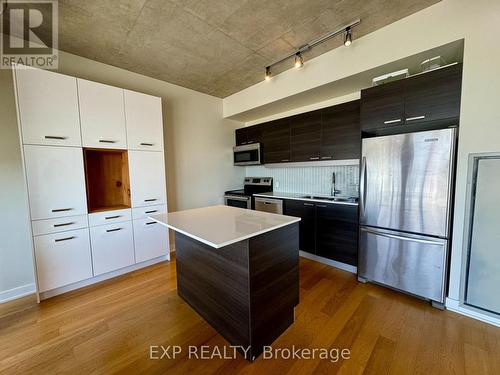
314, 158
64, 239
106, 141
113, 230
61, 209
151, 222
146, 144
55, 137
150, 200
63, 224
112, 217
415, 118
150, 212
321, 205
308, 204
244, 143
250, 142
392, 121
326, 157
285, 159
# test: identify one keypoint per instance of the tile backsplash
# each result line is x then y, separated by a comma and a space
310, 180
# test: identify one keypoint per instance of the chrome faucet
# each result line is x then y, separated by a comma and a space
334, 191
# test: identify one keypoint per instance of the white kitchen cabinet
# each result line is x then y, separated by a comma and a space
62, 258
59, 224
48, 107
147, 178
144, 121
112, 247
150, 239
144, 212
102, 115
56, 182
109, 217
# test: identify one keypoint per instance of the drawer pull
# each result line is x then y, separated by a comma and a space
314, 158
113, 230
151, 222
61, 209
63, 224
392, 121
64, 239
308, 204
326, 157
321, 205
150, 200
146, 144
415, 118
150, 212
55, 137
106, 141
112, 217
285, 159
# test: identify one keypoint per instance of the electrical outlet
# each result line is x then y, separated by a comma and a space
276, 184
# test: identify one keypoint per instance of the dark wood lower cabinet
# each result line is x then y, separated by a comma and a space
327, 230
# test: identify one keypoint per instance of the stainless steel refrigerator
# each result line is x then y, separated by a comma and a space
405, 206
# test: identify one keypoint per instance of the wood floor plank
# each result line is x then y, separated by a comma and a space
108, 328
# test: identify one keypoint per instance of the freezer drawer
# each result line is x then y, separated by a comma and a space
411, 263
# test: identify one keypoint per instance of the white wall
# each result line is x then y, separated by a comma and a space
198, 149
477, 22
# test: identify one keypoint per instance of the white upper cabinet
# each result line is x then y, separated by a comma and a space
56, 182
147, 178
102, 115
144, 121
48, 107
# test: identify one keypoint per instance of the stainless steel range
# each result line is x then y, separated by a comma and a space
243, 198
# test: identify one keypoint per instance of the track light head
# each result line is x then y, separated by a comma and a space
268, 73
299, 61
348, 37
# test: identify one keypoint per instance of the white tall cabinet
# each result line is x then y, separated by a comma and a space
62, 121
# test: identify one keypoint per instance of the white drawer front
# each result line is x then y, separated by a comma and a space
62, 258
60, 224
151, 240
145, 212
56, 182
109, 217
112, 247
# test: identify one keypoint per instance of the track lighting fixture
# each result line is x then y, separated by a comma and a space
345, 30
299, 61
268, 73
348, 37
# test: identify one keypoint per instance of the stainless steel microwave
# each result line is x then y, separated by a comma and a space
247, 154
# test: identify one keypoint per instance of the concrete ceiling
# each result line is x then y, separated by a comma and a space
218, 47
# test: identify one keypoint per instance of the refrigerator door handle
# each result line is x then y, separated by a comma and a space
362, 187
383, 234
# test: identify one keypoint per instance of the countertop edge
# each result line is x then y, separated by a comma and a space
264, 195
218, 246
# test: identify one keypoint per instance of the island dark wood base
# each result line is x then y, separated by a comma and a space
248, 290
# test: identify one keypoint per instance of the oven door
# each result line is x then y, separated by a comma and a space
238, 201
247, 155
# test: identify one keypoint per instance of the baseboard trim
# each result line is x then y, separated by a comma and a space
15, 293
456, 306
329, 262
97, 279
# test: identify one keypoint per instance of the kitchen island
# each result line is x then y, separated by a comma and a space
239, 269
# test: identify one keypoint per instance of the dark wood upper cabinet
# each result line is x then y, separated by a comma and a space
434, 96
341, 135
307, 225
430, 99
306, 136
383, 105
276, 141
248, 135
337, 232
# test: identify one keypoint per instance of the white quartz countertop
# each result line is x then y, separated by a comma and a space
300, 197
219, 226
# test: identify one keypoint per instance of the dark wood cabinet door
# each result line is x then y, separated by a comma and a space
307, 226
276, 141
254, 134
337, 232
341, 133
434, 96
241, 136
306, 136
382, 106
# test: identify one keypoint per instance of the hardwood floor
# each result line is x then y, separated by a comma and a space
109, 327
